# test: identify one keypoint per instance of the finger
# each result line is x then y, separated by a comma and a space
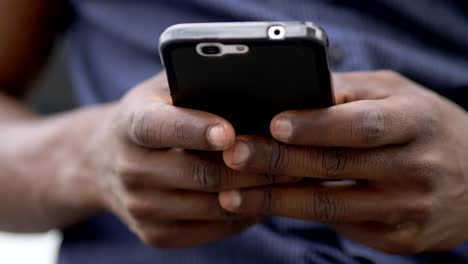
164, 126
152, 121
365, 115
151, 206
360, 124
355, 86
189, 170
191, 233
257, 154
311, 202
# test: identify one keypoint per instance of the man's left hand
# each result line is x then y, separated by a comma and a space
404, 148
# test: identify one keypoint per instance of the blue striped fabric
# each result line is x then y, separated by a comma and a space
113, 46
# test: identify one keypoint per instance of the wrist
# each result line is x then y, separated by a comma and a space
75, 190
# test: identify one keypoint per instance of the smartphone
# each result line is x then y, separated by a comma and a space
247, 72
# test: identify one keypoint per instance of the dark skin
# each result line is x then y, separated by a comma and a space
160, 169
404, 146
157, 167
27, 32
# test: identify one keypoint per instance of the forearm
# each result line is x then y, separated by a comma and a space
45, 178
27, 32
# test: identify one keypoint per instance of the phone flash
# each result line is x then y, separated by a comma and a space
219, 49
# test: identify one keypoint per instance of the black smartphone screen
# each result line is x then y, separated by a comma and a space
250, 89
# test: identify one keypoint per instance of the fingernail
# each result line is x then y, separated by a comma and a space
231, 200
283, 128
241, 153
217, 136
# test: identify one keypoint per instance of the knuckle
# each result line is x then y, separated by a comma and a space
394, 217
420, 212
130, 182
323, 208
266, 206
209, 176
371, 126
144, 208
179, 132
270, 178
147, 130
427, 125
278, 156
142, 128
429, 165
305, 159
136, 207
158, 238
417, 212
421, 117
424, 173
333, 162
404, 241
129, 171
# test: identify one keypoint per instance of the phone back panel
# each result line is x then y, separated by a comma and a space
250, 89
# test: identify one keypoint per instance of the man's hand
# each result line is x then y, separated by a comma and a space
404, 147
152, 176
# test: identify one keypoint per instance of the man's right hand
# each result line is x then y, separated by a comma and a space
159, 168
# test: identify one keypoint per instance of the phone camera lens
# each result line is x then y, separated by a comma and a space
276, 32
211, 50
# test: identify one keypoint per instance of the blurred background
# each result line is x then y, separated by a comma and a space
53, 93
